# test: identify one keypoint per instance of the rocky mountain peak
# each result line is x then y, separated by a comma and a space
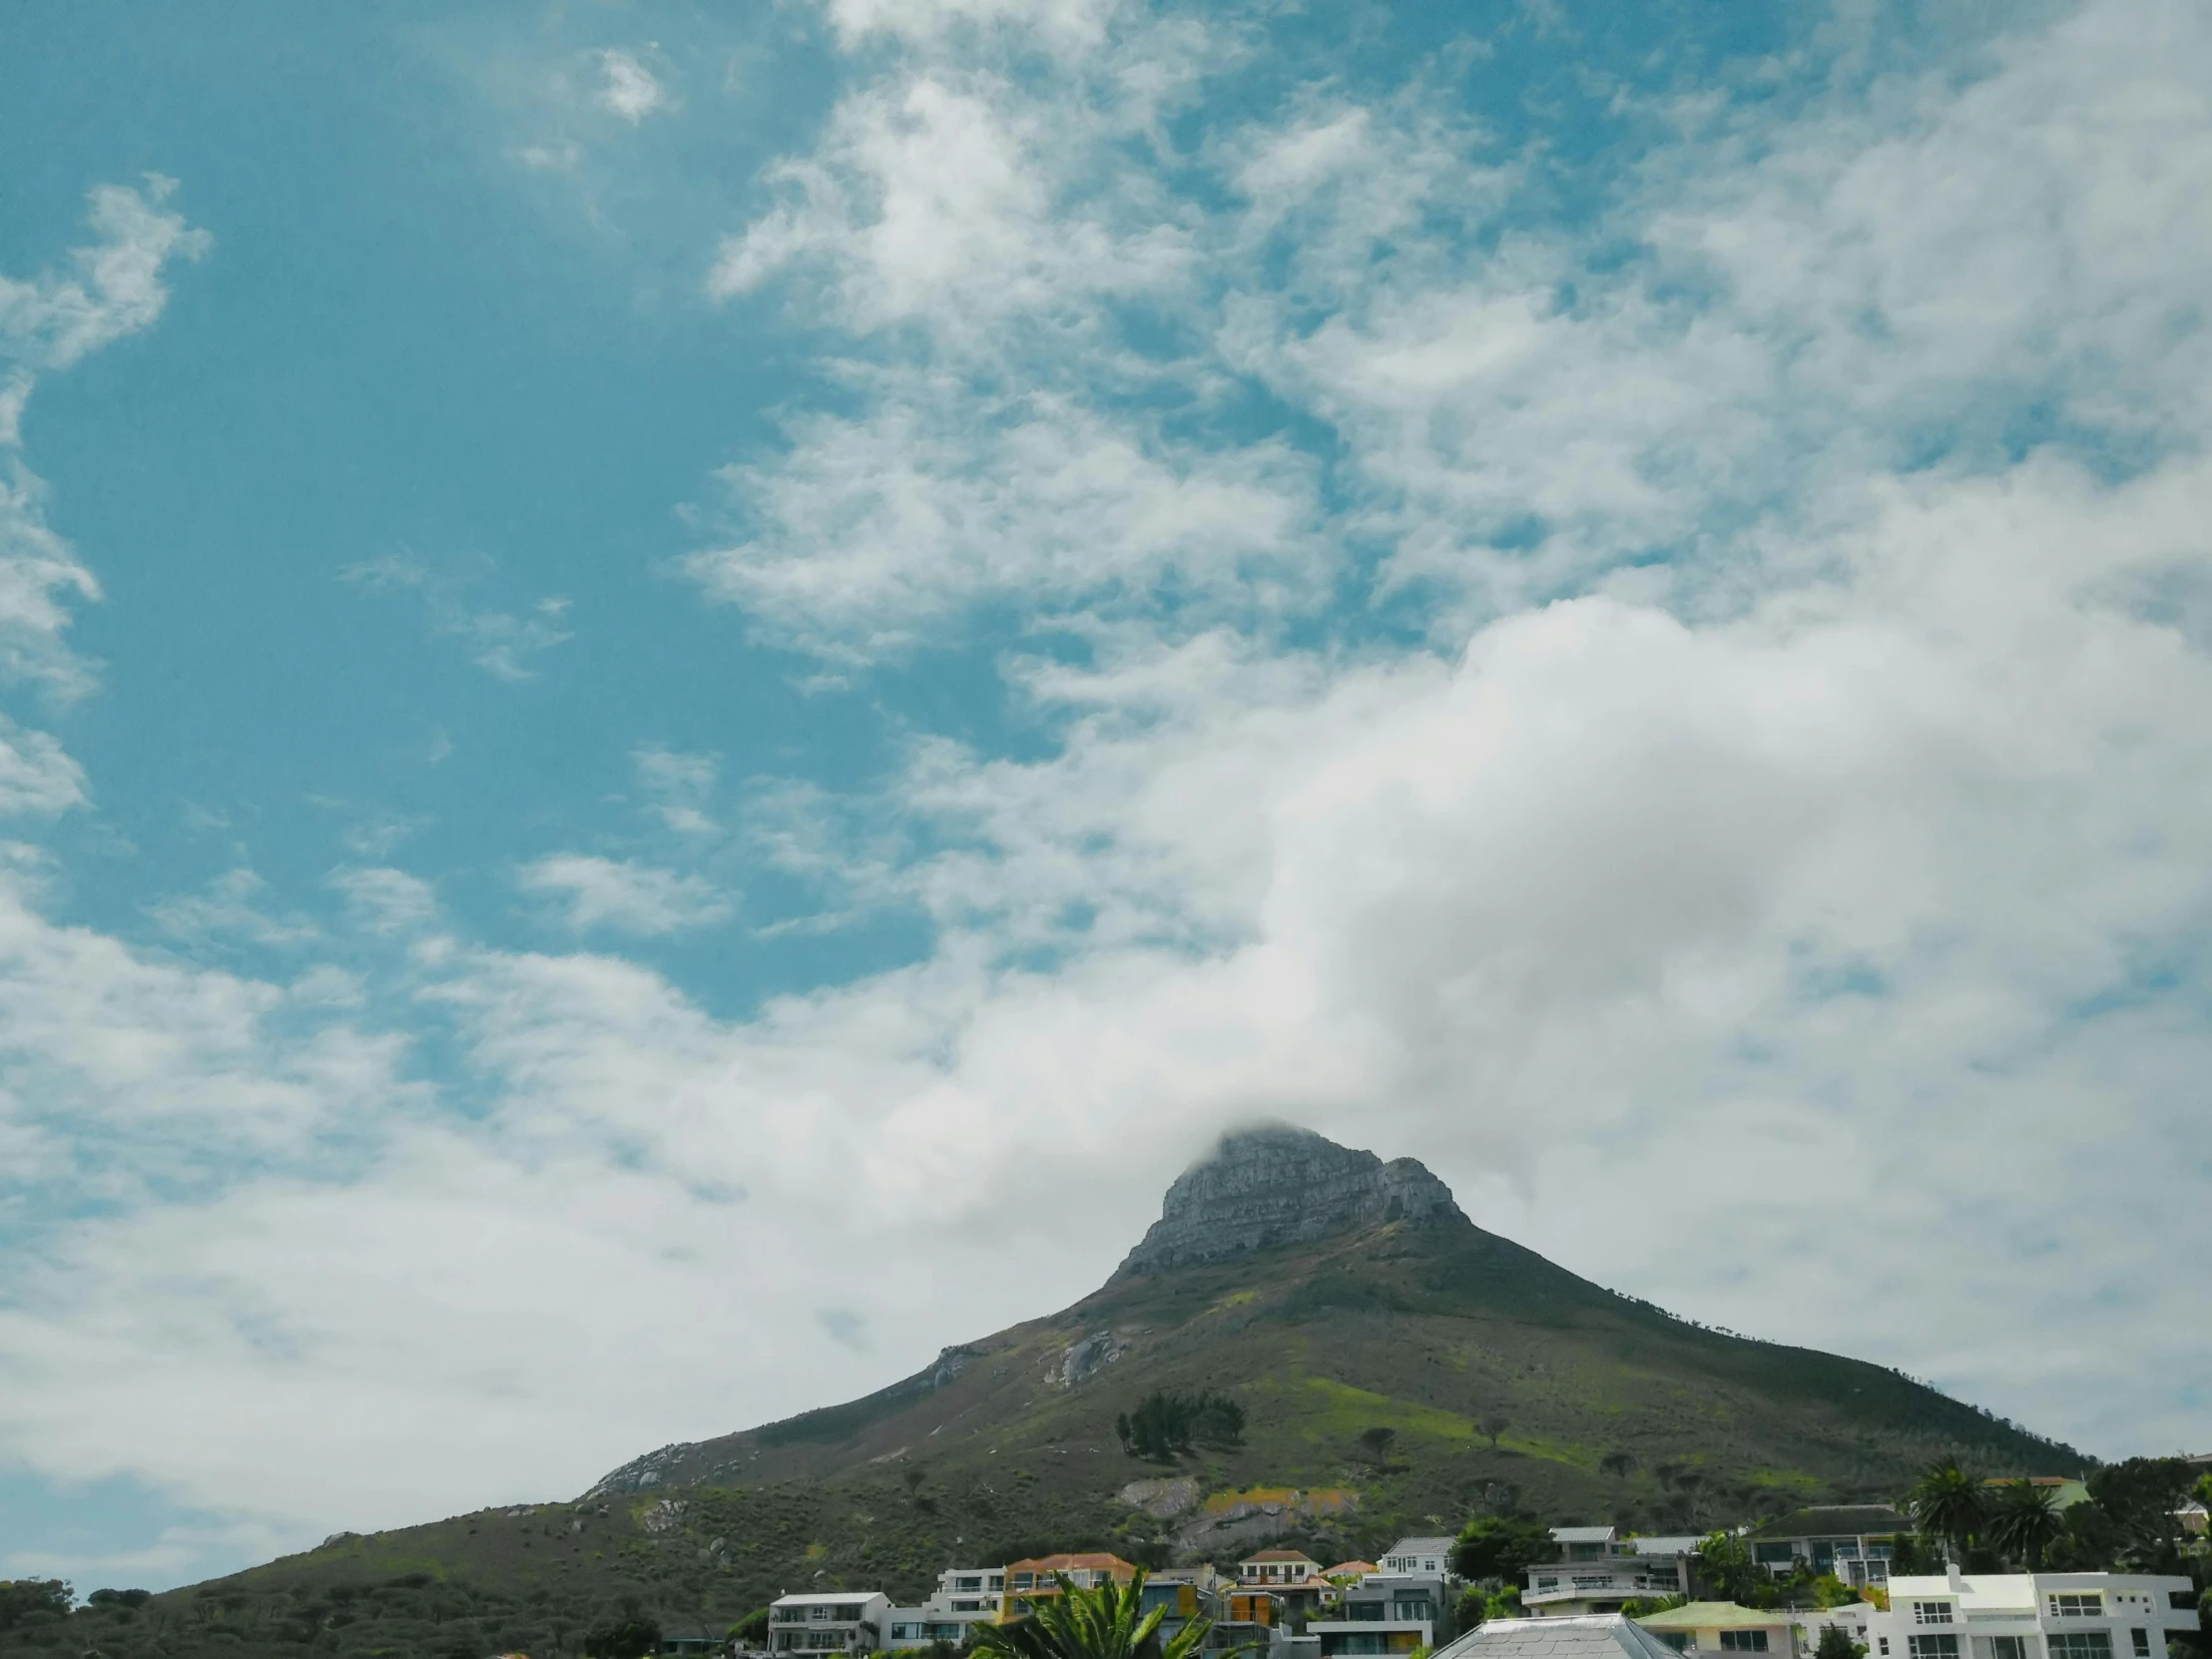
1278, 1185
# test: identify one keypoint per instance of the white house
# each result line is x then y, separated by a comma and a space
846, 1621
2045, 1615
1420, 1558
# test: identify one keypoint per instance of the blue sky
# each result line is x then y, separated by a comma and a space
647, 649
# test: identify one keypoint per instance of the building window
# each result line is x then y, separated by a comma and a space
1679, 1640
1023, 1581
2080, 1644
1743, 1641
2089, 1606
1933, 1647
2142, 1643
1885, 1646
1931, 1612
2010, 1647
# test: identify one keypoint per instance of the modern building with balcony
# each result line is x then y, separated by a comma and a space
2045, 1615
1384, 1614
1600, 1573
965, 1597
1029, 1582
850, 1621
1850, 1541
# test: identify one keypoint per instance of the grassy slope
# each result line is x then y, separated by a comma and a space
1426, 1334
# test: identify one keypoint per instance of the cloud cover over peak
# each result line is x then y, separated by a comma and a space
1654, 660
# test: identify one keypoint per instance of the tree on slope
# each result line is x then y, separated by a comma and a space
1949, 1503
1103, 1623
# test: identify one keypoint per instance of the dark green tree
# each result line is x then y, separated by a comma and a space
22, 1599
1502, 1548
1377, 1441
631, 1636
1726, 1569
1835, 1643
1166, 1425
2025, 1523
752, 1630
1949, 1503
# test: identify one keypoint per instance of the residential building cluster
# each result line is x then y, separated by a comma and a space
1279, 1601
1283, 1604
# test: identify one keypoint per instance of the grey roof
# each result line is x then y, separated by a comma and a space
1581, 1534
1684, 1543
1842, 1521
1421, 1546
1597, 1636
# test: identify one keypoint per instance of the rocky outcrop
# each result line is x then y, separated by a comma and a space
1278, 1185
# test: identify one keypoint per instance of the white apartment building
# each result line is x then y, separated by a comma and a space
849, 1622
2045, 1615
964, 1598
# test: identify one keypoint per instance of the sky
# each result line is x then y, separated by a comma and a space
687, 691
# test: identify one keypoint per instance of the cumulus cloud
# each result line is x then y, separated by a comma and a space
623, 895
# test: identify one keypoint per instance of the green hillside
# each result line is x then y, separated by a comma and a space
1507, 1382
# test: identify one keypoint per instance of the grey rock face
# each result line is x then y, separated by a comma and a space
1277, 1185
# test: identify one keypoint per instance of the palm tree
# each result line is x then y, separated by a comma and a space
2027, 1523
1948, 1504
1092, 1624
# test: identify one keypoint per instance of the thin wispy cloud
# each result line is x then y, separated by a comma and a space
623, 895
501, 643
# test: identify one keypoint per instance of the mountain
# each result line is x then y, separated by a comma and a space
1327, 1292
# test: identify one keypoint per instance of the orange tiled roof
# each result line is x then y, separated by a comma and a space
1344, 1567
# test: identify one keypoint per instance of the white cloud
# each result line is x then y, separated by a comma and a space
625, 895
1827, 898
48, 322
681, 787
35, 775
628, 88
501, 643
230, 906
873, 530
386, 900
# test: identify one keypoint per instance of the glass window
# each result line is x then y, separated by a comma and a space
1931, 1612
1743, 1641
1679, 1640
2080, 1644
2142, 1643
1933, 1647
2010, 1647
2088, 1606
